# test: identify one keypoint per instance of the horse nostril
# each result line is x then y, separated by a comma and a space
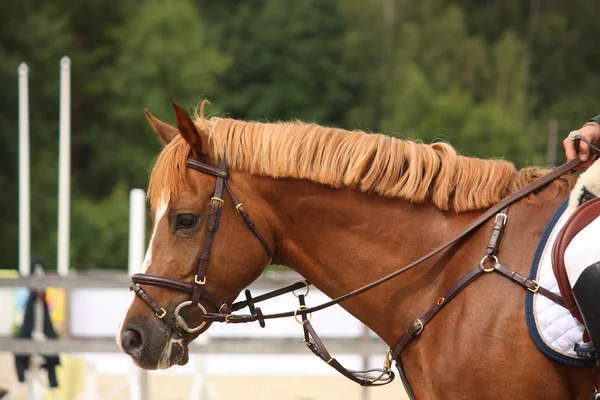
132, 341
136, 339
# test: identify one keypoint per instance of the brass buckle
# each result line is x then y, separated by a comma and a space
218, 199
387, 361
421, 327
484, 259
504, 218
296, 315
161, 316
537, 287
237, 208
227, 318
305, 284
199, 282
221, 308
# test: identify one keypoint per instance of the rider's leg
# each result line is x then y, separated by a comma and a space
583, 270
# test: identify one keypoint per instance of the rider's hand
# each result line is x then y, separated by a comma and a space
590, 131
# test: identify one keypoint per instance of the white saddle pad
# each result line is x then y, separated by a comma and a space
554, 330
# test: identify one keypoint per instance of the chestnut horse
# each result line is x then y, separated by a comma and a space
344, 209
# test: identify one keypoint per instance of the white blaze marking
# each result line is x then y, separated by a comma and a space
160, 213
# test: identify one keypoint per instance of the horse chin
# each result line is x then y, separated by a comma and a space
180, 354
176, 352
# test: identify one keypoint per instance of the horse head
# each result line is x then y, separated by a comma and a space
182, 279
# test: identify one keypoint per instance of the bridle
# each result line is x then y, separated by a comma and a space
371, 377
365, 378
196, 288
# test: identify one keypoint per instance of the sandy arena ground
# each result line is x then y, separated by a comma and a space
229, 388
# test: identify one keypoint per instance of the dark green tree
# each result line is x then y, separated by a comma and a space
485, 76
287, 62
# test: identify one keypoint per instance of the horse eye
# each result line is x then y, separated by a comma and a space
186, 221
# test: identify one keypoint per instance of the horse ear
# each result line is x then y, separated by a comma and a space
165, 132
188, 130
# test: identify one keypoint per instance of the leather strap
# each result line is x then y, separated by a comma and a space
242, 211
419, 324
214, 215
165, 281
370, 377
206, 169
278, 292
499, 224
529, 284
404, 379
158, 310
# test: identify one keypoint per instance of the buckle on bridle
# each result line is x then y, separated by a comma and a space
421, 327
199, 282
387, 361
221, 308
217, 199
536, 288
164, 312
503, 216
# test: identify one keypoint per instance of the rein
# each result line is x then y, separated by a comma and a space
508, 200
311, 339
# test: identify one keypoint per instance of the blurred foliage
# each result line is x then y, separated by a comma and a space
486, 76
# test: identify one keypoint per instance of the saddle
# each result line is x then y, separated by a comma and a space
581, 217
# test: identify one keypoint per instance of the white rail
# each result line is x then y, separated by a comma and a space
64, 168
24, 185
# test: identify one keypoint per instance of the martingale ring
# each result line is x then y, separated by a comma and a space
305, 284
484, 259
296, 315
181, 322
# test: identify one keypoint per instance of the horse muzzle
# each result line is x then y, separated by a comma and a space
152, 347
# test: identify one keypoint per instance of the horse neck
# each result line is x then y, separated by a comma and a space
344, 239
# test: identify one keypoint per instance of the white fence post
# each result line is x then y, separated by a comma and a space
64, 167
138, 382
24, 186
137, 229
37, 384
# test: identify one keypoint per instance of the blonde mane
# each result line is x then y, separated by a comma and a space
373, 163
